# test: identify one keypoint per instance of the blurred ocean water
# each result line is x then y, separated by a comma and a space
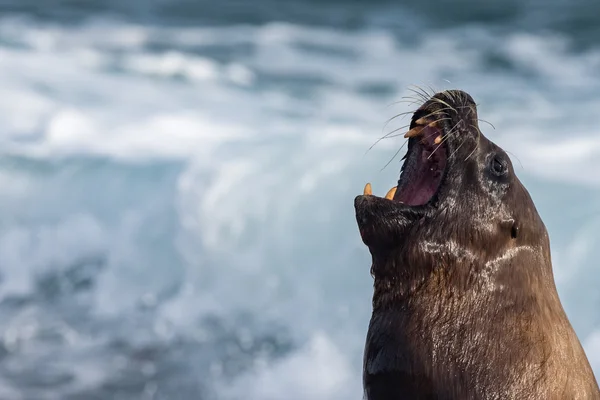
176, 218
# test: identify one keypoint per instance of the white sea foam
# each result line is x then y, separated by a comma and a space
28, 253
203, 176
320, 370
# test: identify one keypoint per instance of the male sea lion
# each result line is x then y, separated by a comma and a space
464, 305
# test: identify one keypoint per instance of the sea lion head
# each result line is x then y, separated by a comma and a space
464, 302
458, 205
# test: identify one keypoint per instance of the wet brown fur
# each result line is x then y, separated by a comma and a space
465, 305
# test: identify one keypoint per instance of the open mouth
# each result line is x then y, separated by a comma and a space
423, 170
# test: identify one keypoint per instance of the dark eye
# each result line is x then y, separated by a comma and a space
499, 166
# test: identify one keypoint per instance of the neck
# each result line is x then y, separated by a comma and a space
490, 326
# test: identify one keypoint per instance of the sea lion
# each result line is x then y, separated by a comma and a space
464, 305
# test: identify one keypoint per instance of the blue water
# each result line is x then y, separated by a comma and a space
176, 218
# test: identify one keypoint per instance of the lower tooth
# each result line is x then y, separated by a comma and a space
390, 194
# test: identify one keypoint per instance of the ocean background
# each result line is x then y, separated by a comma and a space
177, 180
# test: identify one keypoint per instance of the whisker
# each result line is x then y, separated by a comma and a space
517, 159
394, 156
417, 89
440, 119
444, 138
411, 112
450, 95
489, 123
444, 103
417, 95
469, 111
425, 94
396, 116
436, 112
409, 100
414, 100
402, 101
476, 144
461, 145
465, 100
387, 135
400, 115
433, 91
423, 97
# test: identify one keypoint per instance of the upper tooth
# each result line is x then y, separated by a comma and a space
368, 190
438, 140
425, 121
416, 131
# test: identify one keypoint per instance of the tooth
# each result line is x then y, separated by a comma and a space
421, 121
390, 194
368, 190
416, 131
438, 140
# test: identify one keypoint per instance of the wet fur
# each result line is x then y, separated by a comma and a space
464, 304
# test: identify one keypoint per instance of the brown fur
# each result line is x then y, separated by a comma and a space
464, 304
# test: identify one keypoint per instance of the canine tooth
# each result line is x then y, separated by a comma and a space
421, 121
390, 194
438, 140
368, 190
416, 131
